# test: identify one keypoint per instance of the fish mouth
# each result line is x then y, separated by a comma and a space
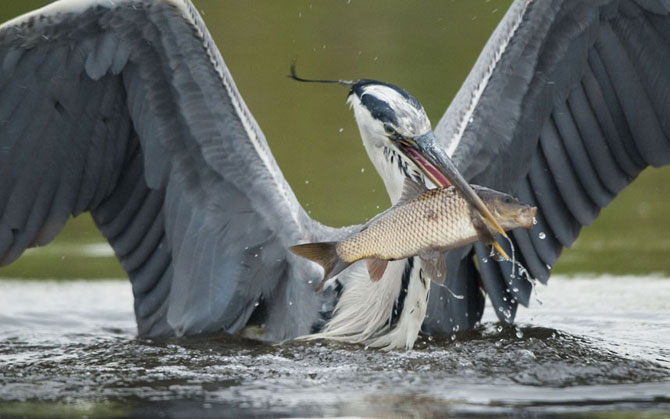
527, 217
436, 165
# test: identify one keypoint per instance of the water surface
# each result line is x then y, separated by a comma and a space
594, 345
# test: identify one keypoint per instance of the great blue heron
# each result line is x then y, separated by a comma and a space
125, 108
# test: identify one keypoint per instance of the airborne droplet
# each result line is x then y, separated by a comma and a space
542, 236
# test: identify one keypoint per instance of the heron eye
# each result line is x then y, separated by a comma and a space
389, 129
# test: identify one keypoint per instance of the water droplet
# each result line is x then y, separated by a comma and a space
549, 267
256, 304
430, 338
362, 169
255, 255
542, 236
534, 221
485, 260
519, 333
456, 328
306, 182
515, 289
290, 303
340, 130
377, 206
376, 58
453, 338
499, 329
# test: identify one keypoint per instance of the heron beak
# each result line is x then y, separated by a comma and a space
438, 167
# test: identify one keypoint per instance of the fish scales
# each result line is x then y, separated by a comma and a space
429, 224
436, 219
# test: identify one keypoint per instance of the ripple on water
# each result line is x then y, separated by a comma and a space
491, 369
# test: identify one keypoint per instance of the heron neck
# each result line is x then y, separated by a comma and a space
391, 166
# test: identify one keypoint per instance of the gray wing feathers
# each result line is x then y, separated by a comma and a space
123, 111
573, 110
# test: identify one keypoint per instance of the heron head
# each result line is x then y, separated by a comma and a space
386, 113
396, 133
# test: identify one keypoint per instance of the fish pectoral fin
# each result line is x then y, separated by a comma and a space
435, 268
376, 268
410, 190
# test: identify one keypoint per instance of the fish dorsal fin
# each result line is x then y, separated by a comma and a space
410, 190
435, 268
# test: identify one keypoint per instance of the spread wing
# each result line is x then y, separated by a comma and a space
566, 105
125, 108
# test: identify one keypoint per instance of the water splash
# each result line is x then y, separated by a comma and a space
453, 294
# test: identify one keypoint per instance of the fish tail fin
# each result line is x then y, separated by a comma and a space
325, 254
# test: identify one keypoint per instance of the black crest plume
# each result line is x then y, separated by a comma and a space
295, 77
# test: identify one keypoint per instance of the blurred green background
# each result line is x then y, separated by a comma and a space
427, 47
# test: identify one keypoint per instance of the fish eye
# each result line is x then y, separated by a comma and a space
389, 129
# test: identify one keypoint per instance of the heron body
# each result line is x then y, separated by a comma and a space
126, 109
